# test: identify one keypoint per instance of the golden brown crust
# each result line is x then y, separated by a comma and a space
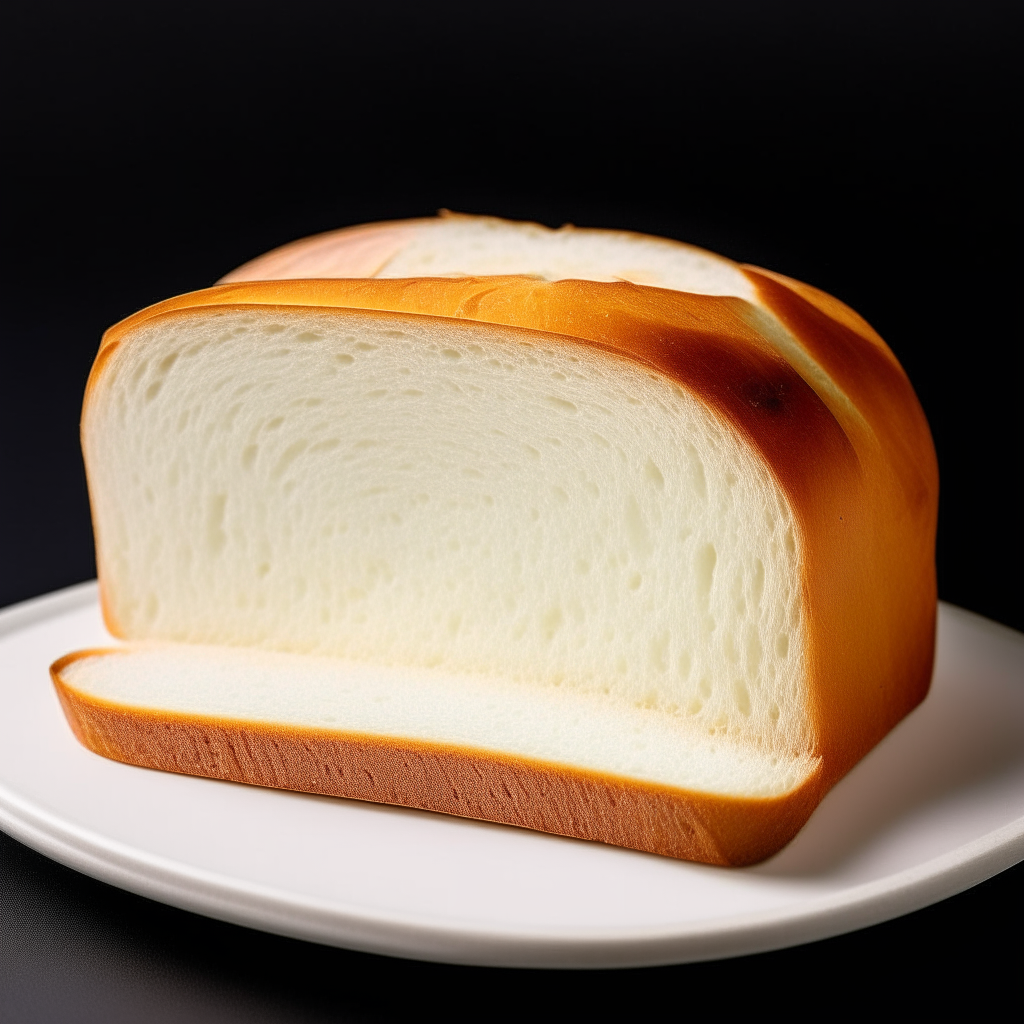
860, 474
460, 781
870, 558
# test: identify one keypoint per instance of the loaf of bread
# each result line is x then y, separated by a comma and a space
646, 565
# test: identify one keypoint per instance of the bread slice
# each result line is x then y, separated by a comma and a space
548, 757
622, 563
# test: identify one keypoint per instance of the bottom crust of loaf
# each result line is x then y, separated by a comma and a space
450, 780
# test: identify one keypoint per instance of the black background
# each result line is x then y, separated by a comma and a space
148, 148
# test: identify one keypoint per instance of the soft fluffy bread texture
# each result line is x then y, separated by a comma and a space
450, 495
531, 721
628, 564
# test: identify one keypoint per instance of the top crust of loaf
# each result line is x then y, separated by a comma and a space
459, 245
803, 380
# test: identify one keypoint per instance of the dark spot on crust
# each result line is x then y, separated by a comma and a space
765, 394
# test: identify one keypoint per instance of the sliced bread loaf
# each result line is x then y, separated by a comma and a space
613, 561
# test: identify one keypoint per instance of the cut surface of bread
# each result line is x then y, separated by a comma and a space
665, 552
447, 494
456, 245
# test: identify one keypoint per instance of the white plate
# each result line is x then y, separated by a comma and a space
935, 808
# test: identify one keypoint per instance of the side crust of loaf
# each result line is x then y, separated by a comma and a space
463, 782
